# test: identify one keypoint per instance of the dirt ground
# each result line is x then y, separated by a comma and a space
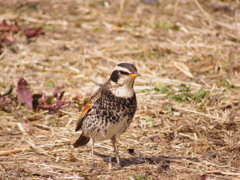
187, 125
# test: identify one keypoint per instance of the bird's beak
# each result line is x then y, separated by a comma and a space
136, 74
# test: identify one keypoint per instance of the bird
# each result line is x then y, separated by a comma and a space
110, 110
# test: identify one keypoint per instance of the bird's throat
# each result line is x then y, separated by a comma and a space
124, 92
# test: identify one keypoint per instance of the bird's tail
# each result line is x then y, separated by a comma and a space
82, 140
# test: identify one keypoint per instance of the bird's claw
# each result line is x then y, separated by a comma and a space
118, 166
115, 166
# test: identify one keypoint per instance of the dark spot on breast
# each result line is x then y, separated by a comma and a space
104, 113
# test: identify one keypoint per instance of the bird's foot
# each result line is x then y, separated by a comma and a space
118, 166
115, 166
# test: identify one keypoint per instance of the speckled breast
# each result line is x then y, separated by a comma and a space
110, 116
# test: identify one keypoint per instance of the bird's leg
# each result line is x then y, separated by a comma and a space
92, 152
113, 139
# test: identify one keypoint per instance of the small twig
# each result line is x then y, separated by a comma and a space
121, 8
223, 173
219, 166
41, 126
3, 153
237, 25
231, 173
70, 121
196, 112
128, 52
175, 7
3, 53
203, 11
38, 149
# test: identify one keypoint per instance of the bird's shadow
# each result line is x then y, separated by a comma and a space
163, 161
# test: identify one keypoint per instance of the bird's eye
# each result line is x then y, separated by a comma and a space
124, 73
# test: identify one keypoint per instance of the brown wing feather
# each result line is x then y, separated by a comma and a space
87, 107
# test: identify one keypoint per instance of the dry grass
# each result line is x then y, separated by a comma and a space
177, 133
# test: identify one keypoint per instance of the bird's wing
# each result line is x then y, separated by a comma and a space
87, 108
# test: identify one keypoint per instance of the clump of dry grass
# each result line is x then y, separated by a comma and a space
187, 123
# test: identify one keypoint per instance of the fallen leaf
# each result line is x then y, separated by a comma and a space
59, 104
51, 103
4, 39
61, 95
55, 92
52, 107
203, 177
24, 93
31, 32
4, 26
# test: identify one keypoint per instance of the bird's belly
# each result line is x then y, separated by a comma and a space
111, 129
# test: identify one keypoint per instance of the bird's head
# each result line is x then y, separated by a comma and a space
124, 75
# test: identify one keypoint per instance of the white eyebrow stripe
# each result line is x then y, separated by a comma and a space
119, 68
